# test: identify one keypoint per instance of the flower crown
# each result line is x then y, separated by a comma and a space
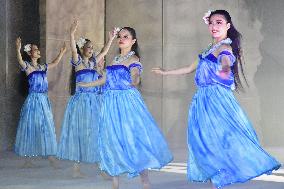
81, 42
28, 47
206, 16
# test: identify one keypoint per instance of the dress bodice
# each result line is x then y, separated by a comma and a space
37, 79
207, 72
89, 74
38, 82
119, 76
86, 76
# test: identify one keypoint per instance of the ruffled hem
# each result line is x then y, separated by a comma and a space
268, 172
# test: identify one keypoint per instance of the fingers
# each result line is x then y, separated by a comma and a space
75, 22
156, 69
74, 25
18, 40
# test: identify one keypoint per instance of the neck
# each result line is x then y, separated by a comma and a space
34, 61
217, 40
85, 59
125, 51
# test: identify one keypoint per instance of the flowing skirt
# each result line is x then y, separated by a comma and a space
79, 132
130, 140
36, 131
223, 146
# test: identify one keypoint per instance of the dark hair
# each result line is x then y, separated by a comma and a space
236, 37
72, 85
23, 85
26, 57
135, 46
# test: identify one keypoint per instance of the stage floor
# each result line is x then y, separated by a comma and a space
43, 176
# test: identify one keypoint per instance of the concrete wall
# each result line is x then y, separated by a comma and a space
17, 18
57, 17
171, 33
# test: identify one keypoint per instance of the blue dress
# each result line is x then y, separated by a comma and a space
36, 131
130, 140
223, 146
79, 131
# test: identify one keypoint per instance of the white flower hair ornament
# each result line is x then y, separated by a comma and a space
206, 16
28, 48
81, 42
117, 29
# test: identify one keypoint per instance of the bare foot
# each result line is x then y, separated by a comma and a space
78, 174
146, 185
28, 164
76, 171
105, 176
53, 162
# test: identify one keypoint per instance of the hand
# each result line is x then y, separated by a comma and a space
63, 48
18, 43
101, 64
158, 71
81, 84
74, 26
113, 33
223, 74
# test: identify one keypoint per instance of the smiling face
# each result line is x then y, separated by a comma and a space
125, 39
34, 53
218, 26
88, 49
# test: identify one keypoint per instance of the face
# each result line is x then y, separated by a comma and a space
125, 39
88, 49
218, 26
34, 53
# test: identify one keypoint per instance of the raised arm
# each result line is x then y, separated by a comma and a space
180, 71
18, 50
98, 82
104, 51
73, 29
58, 57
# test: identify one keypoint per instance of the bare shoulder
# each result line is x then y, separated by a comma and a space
134, 59
225, 47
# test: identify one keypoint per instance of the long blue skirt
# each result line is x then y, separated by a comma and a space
36, 131
79, 132
223, 146
130, 140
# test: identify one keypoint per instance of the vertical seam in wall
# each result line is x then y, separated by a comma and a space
162, 91
6, 46
105, 32
105, 23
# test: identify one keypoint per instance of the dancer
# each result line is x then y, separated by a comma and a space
130, 141
79, 133
223, 147
36, 131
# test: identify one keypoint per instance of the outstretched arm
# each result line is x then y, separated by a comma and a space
180, 71
98, 82
19, 55
58, 57
106, 48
